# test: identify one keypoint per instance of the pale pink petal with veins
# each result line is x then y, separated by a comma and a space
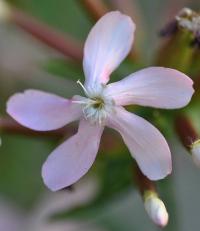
73, 158
42, 111
155, 87
145, 143
107, 44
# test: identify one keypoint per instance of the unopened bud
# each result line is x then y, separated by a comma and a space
185, 13
156, 209
4, 11
195, 151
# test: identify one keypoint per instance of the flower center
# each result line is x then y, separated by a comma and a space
97, 106
98, 103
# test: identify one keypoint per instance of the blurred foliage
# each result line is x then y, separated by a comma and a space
66, 16
63, 68
20, 166
115, 173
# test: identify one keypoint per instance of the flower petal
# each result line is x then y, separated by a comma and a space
155, 87
42, 111
72, 159
145, 143
108, 43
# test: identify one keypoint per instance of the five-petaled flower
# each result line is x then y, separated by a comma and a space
108, 43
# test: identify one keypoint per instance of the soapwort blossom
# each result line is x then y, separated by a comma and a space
107, 45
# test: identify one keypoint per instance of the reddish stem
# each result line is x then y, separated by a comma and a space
185, 130
197, 85
64, 44
110, 141
95, 8
8, 125
144, 184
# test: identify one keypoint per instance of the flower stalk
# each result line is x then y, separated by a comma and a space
64, 44
189, 137
9, 126
109, 142
95, 8
143, 183
197, 86
185, 130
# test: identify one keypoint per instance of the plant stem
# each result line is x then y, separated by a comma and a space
8, 125
109, 141
95, 8
185, 130
64, 44
144, 184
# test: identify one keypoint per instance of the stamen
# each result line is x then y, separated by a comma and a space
85, 90
91, 114
79, 102
96, 106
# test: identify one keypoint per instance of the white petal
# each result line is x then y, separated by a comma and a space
155, 87
108, 43
156, 210
72, 159
145, 143
195, 151
42, 111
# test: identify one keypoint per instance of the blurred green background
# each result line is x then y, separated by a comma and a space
25, 203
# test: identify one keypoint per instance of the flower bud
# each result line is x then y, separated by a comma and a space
189, 20
183, 37
4, 11
195, 151
156, 209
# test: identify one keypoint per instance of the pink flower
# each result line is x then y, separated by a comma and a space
108, 43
